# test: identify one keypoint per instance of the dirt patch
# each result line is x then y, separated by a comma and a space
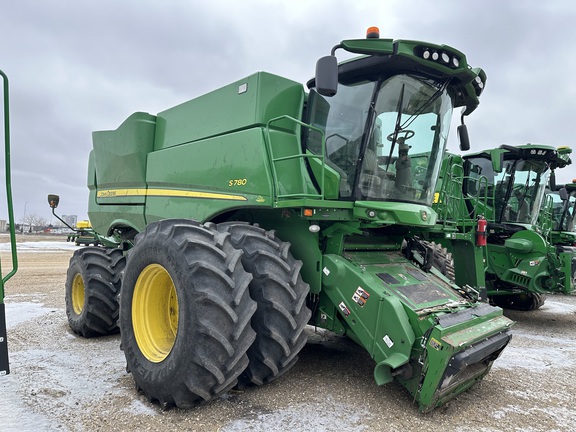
63, 382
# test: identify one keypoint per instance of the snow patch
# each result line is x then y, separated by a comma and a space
558, 308
562, 415
17, 313
534, 359
138, 407
302, 417
40, 246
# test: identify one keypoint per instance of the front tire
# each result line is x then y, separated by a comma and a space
185, 313
278, 289
92, 285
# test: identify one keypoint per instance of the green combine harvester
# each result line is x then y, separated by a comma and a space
507, 186
232, 221
4, 364
563, 232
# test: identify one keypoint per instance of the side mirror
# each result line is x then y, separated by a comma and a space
327, 75
563, 194
553, 182
53, 200
462, 131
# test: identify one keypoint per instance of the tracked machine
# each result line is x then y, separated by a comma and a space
526, 256
232, 221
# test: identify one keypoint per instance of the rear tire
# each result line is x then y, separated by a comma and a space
278, 289
185, 313
92, 286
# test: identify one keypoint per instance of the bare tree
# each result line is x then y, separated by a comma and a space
32, 222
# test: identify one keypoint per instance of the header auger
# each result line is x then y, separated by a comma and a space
264, 206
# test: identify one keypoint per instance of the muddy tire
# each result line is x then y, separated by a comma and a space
523, 301
185, 313
92, 286
280, 293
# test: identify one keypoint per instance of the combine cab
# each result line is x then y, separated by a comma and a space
256, 209
563, 212
4, 365
561, 207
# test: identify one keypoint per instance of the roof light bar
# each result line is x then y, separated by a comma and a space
443, 57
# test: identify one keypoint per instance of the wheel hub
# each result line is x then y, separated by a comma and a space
155, 313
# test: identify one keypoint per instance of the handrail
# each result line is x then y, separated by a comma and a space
8, 183
274, 160
451, 204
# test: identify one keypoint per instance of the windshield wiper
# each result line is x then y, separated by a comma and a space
425, 105
397, 127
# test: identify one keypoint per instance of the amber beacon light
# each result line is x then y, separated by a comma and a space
372, 33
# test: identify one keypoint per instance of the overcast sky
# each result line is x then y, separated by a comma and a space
76, 66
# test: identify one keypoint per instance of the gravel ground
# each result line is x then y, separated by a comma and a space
59, 381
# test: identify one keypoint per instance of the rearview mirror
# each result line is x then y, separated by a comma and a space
462, 131
327, 75
563, 194
553, 181
53, 200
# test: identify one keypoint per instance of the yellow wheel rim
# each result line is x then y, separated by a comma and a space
78, 294
155, 313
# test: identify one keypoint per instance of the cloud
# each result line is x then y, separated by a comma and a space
81, 66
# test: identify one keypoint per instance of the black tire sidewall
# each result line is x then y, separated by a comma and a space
75, 320
170, 369
214, 313
100, 270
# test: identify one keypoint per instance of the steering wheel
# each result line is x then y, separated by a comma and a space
407, 135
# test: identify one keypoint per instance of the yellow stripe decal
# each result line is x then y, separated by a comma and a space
113, 193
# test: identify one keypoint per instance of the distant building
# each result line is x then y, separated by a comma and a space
2, 225
70, 220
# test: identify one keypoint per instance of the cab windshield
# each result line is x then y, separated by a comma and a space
384, 138
563, 212
519, 190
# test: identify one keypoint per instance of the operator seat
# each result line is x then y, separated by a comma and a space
369, 181
403, 168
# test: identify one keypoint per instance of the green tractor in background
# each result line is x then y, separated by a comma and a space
232, 221
4, 364
507, 187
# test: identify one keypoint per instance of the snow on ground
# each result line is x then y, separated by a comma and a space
300, 417
20, 312
558, 308
40, 246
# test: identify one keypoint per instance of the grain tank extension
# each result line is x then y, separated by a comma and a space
241, 216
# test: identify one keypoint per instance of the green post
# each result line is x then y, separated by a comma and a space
4, 366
